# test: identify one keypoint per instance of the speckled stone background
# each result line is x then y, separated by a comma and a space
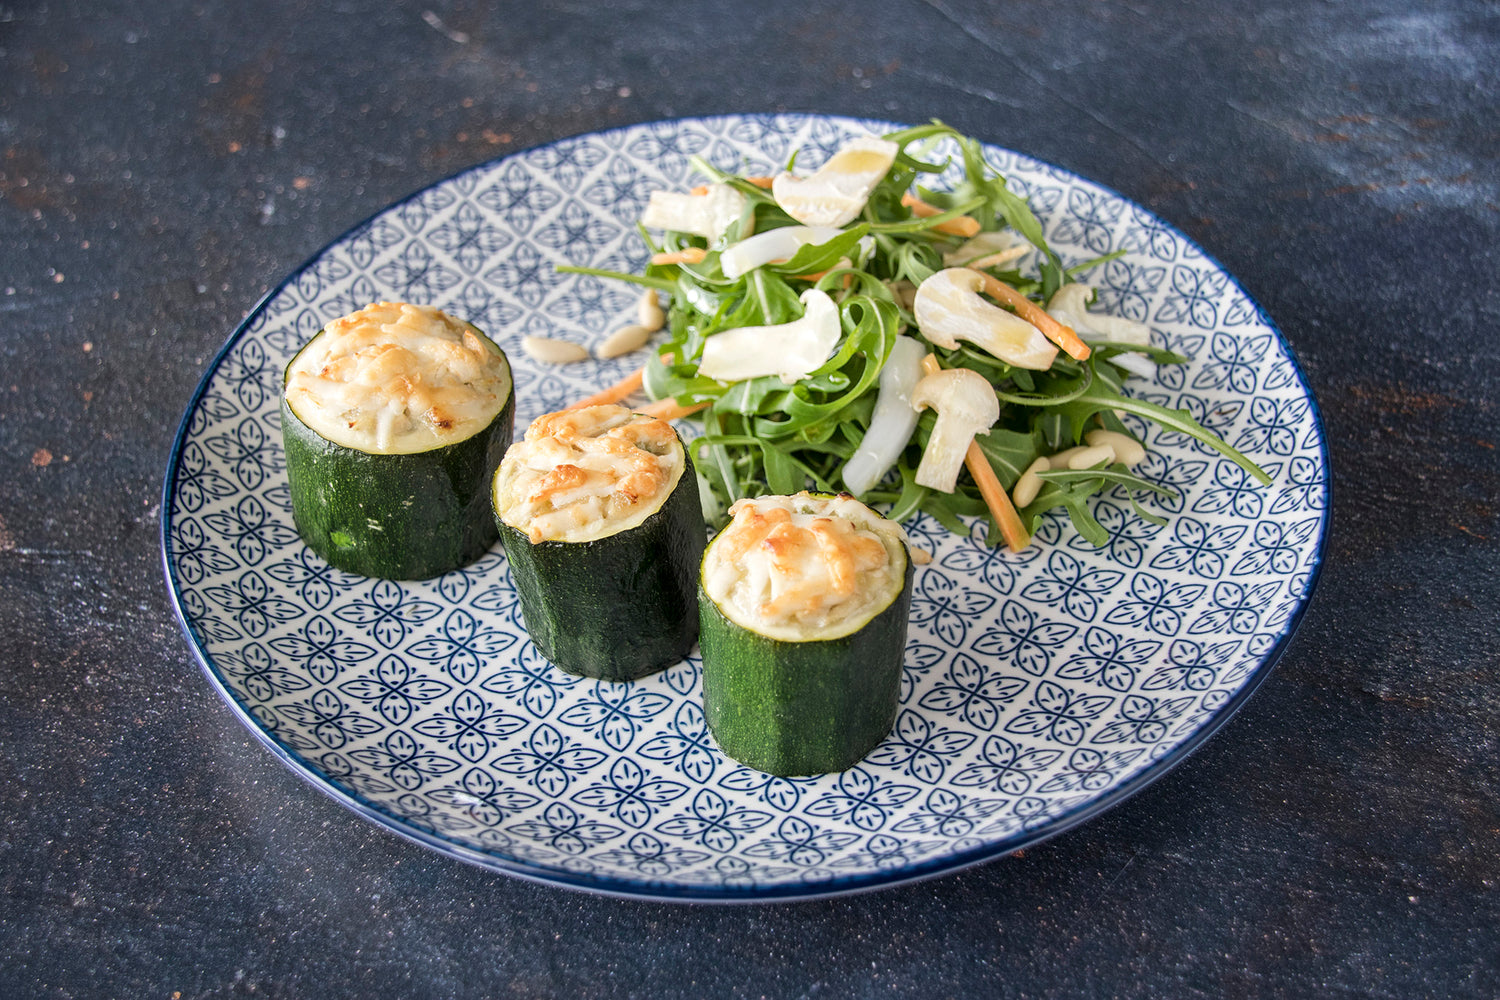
163, 164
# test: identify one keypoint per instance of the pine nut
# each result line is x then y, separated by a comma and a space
1061, 459
648, 311
1087, 458
1029, 485
623, 341
1127, 449
553, 352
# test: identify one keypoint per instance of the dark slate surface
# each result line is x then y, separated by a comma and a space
163, 164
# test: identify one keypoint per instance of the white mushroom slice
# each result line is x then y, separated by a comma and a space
893, 420
1070, 306
773, 244
706, 215
966, 405
949, 308
1006, 245
791, 350
837, 192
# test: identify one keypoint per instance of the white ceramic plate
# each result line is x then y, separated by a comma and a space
1039, 688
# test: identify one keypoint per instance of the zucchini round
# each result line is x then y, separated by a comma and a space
617, 607
396, 516
795, 707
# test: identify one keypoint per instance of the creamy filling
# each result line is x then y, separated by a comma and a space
805, 567
397, 379
584, 474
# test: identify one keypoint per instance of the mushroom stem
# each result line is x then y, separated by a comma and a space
1001, 509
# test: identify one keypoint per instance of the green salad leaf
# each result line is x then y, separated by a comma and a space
762, 435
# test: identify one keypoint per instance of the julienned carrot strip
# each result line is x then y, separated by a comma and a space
613, 394
669, 409
1001, 509
818, 275
760, 182
1062, 336
1011, 529
687, 255
964, 225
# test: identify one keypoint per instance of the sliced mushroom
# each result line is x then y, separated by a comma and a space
773, 244
1070, 305
892, 421
949, 308
791, 351
837, 192
706, 215
966, 405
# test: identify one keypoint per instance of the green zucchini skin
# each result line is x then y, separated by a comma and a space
797, 708
398, 517
615, 608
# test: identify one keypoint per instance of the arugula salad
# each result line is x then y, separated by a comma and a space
853, 330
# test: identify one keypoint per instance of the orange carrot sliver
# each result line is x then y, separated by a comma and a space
964, 225
819, 275
760, 182
1062, 336
995, 498
687, 255
614, 393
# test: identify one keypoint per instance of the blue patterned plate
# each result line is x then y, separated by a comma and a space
1040, 688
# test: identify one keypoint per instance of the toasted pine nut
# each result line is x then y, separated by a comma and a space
1060, 460
553, 352
921, 557
1029, 485
1127, 449
623, 341
648, 311
1087, 458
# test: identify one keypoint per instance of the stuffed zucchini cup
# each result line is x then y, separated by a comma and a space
394, 418
599, 513
802, 612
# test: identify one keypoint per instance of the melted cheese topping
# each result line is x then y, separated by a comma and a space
805, 567
588, 473
397, 379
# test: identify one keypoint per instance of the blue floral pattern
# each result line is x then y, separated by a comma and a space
1035, 684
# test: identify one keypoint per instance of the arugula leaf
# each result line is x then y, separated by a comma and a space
761, 435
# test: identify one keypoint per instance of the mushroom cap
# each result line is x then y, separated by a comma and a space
707, 215
838, 190
959, 393
773, 244
949, 308
791, 351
